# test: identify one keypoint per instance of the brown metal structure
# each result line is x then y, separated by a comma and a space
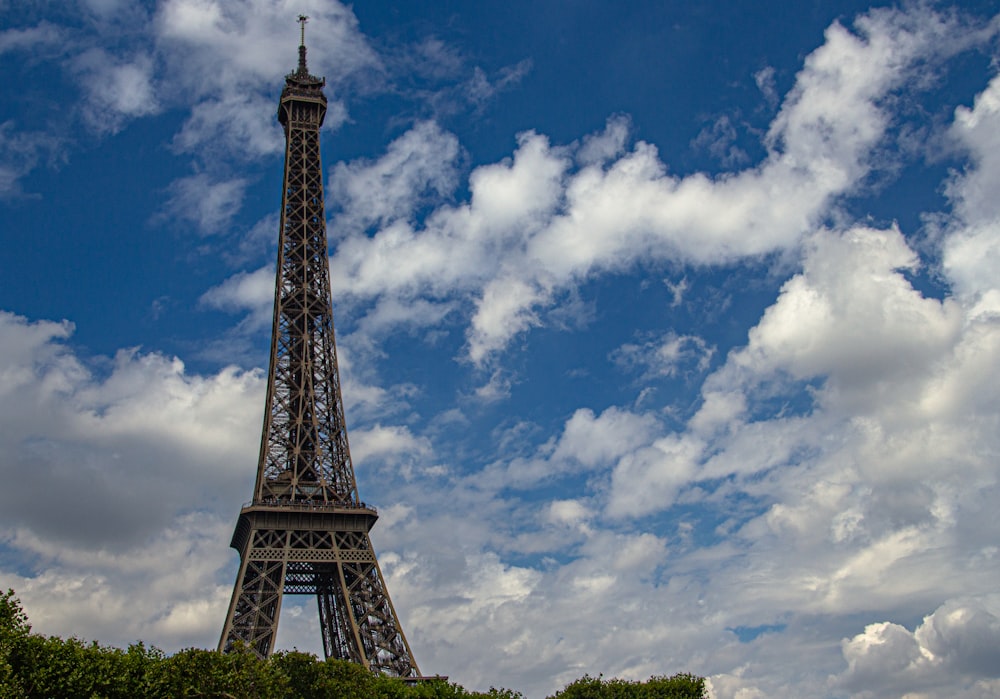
306, 531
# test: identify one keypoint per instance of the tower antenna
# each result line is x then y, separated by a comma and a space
302, 44
302, 21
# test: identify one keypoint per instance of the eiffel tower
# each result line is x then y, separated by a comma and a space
306, 532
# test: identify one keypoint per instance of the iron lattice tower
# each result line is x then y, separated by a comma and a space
306, 531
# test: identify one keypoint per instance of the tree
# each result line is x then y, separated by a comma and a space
681, 686
395, 688
194, 672
35, 666
14, 627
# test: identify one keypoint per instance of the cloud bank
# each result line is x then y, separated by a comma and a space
828, 498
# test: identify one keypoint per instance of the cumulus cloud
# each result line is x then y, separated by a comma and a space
665, 356
218, 62
552, 216
417, 167
851, 316
588, 441
253, 291
883, 355
394, 444
117, 90
20, 153
230, 55
837, 480
121, 449
207, 203
972, 251
847, 450
43, 34
169, 588
122, 466
864, 486
833, 447
953, 650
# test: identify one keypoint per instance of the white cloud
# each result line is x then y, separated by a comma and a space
115, 455
220, 45
841, 471
121, 468
149, 591
953, 651
649, 478
117, 90
251, 291
207, 203
418, 166
228, 56
608, 145
43, 34
587, 442
504, 310
666, 356
569, 512
20, 152
972, 250
851, 316
893, 368
873, 489
592, 441
392, 314
381, 442
218, 61
240, 125
538, 223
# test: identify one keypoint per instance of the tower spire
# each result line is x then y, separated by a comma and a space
305, 532
302, 46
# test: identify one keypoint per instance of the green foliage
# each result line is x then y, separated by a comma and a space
681, 686
207, 673
53, 667
395, 688
13, 621
14, 628
310, 678
34, 666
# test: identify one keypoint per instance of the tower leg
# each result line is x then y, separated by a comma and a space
255, 606
336, 621
324, 552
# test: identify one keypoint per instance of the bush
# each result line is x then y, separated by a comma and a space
207, 673
681, 686
310, 678
33, 666
14, 628
53, 667
395, 688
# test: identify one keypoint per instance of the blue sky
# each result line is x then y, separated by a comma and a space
668, 332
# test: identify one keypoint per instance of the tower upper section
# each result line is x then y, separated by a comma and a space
305, 457
303, 104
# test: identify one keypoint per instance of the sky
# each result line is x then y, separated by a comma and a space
668, 332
